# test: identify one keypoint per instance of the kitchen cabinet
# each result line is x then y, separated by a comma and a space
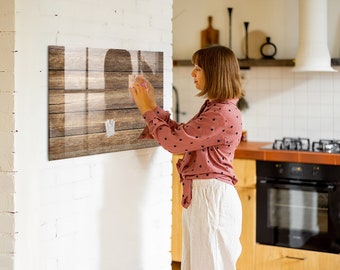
254, 256
176, 235
245, 171
278, 258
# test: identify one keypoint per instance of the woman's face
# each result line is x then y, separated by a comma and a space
199, 78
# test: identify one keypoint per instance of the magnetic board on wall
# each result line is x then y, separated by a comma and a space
90, 110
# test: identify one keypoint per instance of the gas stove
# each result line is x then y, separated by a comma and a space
303, 144
328, 146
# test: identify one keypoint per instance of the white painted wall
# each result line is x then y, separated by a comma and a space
277, 19
282, 103
105, 212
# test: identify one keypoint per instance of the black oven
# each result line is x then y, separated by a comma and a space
298, 205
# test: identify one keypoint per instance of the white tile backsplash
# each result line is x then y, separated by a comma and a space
281, 102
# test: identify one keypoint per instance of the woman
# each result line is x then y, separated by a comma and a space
212, 214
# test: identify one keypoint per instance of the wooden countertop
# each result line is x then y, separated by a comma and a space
253, 150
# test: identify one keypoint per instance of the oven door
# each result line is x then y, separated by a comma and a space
298, 215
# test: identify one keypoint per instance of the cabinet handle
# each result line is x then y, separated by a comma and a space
296, 258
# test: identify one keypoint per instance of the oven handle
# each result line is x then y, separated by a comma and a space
328, 187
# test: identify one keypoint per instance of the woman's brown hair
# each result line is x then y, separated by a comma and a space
222, 73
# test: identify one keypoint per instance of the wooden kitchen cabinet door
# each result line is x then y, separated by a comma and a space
246, 260
176, 238
245, 171
278, 258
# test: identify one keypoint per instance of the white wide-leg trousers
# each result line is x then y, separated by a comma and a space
211, 227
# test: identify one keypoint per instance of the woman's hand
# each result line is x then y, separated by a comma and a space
142, 92
151, 91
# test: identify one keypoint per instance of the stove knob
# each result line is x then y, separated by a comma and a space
316, 171
279, 168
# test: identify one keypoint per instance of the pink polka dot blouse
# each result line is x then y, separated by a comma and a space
208, 141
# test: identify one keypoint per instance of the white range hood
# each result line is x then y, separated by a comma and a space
313, 53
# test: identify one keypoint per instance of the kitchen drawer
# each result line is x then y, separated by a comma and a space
247, 258
278, 258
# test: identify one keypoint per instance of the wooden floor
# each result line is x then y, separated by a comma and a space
176, 266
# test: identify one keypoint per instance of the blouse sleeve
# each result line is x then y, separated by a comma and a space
163, 115
208, 129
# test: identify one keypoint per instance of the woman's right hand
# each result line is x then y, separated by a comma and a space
151, 91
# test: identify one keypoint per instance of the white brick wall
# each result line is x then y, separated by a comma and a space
7, 131
105, 212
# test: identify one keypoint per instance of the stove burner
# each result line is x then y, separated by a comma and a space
287, 143
328, 146
303, 144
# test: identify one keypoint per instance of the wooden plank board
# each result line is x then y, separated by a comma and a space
81, 123
96, 143
96, 80
61, 58
65, 102
87, 87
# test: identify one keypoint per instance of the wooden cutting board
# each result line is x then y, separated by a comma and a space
209, 36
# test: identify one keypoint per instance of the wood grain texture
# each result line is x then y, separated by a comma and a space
89, 86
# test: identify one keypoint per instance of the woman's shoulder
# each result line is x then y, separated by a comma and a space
222, 110
228, 104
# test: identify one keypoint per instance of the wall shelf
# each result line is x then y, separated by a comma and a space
247, 63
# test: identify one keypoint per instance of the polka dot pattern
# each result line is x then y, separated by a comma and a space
208, 141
